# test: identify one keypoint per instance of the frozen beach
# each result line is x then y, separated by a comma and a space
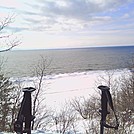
60, 88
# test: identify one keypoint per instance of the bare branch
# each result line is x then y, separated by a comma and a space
7, 20
10, 43
5, 36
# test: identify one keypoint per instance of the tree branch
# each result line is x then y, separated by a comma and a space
13, 44
5, 36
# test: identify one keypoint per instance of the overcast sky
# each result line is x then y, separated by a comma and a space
45, 24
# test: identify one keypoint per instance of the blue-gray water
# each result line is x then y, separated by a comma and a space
21, 63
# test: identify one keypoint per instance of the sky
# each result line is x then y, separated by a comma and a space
46, 24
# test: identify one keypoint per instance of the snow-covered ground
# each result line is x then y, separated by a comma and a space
63, 87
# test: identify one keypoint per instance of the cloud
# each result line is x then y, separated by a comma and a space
79, 9
29, 13
8, 4
8, 8
17, 29
44, 15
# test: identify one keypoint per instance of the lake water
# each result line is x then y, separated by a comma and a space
20, 63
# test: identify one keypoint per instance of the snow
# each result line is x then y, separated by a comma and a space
60, 88
40, 132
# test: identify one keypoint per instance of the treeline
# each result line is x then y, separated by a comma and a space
80, 113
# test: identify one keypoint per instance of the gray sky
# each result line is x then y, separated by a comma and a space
45, 24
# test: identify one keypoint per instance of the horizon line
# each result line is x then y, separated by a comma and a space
62, 48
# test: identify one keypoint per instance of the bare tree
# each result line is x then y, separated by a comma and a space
7, 40
40, 71
88, 110
107, 79
65, 119
43, 118
125, 102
